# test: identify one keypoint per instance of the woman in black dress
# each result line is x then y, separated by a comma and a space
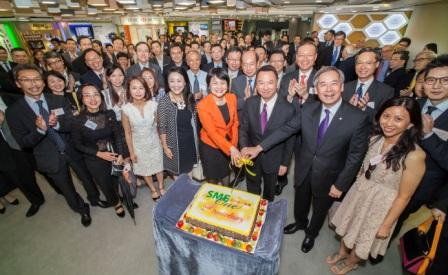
97, 135
178, 124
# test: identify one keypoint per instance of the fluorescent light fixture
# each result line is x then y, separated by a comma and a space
131, 8
48, 2
23, 4
97, 3
126, 2
109, 9
216, 1
91, 11
54, 10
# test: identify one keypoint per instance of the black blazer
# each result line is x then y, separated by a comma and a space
378, 94
284, 84
436, 174
250, 132
166, 60
325, 55
21, 120
92, 78
338, 158
399, 80
347, 66
238, 87
211, 65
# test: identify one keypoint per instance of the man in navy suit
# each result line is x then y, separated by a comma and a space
334, 140
331, 56
97, 73
244, 85
262, 115
217, 54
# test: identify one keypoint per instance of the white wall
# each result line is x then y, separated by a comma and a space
428, 24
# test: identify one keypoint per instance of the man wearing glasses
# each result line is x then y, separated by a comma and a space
41, 123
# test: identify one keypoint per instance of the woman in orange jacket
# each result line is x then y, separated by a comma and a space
219, 133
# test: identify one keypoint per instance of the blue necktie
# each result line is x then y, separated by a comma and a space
52, 133
334, 58
359, 90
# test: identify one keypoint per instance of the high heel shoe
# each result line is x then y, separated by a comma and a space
119, 210
14, 202
155, 196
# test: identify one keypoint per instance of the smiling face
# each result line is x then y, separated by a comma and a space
91, 98
137, 90
116, 78
394, 121
216, 54
437, 91
142, 51
277, 60
149, 78
366, 65
306, 56
266, 84
31, 83
329, 88
176, 55
176, 83
218, 87
94, 61
194, 61
249, 63
234, 61
55, 84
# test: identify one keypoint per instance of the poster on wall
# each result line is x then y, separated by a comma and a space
229, 25
198, 28
103, 31
216, 26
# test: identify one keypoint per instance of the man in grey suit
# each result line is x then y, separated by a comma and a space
262, 115
142, 50
367, 93
298, 84
334, 140
244, 85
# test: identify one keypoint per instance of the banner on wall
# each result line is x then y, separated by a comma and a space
198, 28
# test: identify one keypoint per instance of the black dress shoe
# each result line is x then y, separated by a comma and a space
100, 203
307, 244
377, 260
14, 202
278, 189
293, 228
2, 210
86, 220
32, 210
135, 205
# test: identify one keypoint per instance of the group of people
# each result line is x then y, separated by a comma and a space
363, 129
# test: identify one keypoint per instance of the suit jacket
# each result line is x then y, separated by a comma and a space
92, 78
21, 120
250, 132
284, 84
79, 65
204, 60
66, 56
378, 94
436, 174
347, 66
206, 68
291, 54
136, 70
399, 80
325, 56
215, 132
238, 87
165, 60
339, 156
170, 65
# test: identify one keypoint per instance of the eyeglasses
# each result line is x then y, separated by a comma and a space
55, 62
433, 80
369, 171
96, 59
421, 59
30, 80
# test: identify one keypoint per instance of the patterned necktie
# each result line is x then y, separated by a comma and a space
430, 110
52, 134
334, 58
264, 117
359, 90
302, 80
323, 126
196, 85
251, 87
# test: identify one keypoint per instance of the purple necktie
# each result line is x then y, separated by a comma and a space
264, 118
323, 126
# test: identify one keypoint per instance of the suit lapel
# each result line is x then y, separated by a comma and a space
29, 112
442, 121
274, 112
315, 117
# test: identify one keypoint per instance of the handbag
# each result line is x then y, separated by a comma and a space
418, 246
198, 173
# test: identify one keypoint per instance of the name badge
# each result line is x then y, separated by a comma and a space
58, 111
90, 124
376, 160
371, 104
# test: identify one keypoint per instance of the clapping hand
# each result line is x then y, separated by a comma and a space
428, 123
282, 170
361, 103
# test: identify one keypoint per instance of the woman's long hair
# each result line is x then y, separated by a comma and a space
186, 94
408, 139
155, 87
114, 94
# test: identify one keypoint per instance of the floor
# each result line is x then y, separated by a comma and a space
55, 242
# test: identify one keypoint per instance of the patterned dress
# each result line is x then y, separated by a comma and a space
366, 205
145, 138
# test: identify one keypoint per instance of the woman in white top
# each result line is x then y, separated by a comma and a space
140, 128
114, 92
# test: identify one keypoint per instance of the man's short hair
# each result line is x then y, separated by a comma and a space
117, 38
90, 50
51, 54
18, 49
325, 70
122, 54
277, 52
25, 67
339, 33
156, 42
81, 37
216, 45
407, 40
266, 68
370, 50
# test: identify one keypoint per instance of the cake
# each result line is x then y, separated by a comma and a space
227, 211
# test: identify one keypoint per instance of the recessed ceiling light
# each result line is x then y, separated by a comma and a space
109, 9
286, 2
48, 2
318, 1
216, 1
354, 11
131, 8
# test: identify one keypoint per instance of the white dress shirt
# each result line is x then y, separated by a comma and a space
269, 105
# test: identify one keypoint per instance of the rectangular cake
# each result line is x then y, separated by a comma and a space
224, 210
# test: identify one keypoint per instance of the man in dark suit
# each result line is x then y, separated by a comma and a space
328, 39
331, 55
334, 140
177, 58
262, 115
118, 47
298, 84
71, 52
16, 165
435, 118
206, 55
244, 85
78, 65
38, 123
7, 84
97, 73
367, 93
293, 49
398, 78
347, 64
233, 60
143, 53
217, 55
159, 59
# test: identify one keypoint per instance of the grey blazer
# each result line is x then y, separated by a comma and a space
238, 87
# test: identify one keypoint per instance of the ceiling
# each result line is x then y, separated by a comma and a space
112, 10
